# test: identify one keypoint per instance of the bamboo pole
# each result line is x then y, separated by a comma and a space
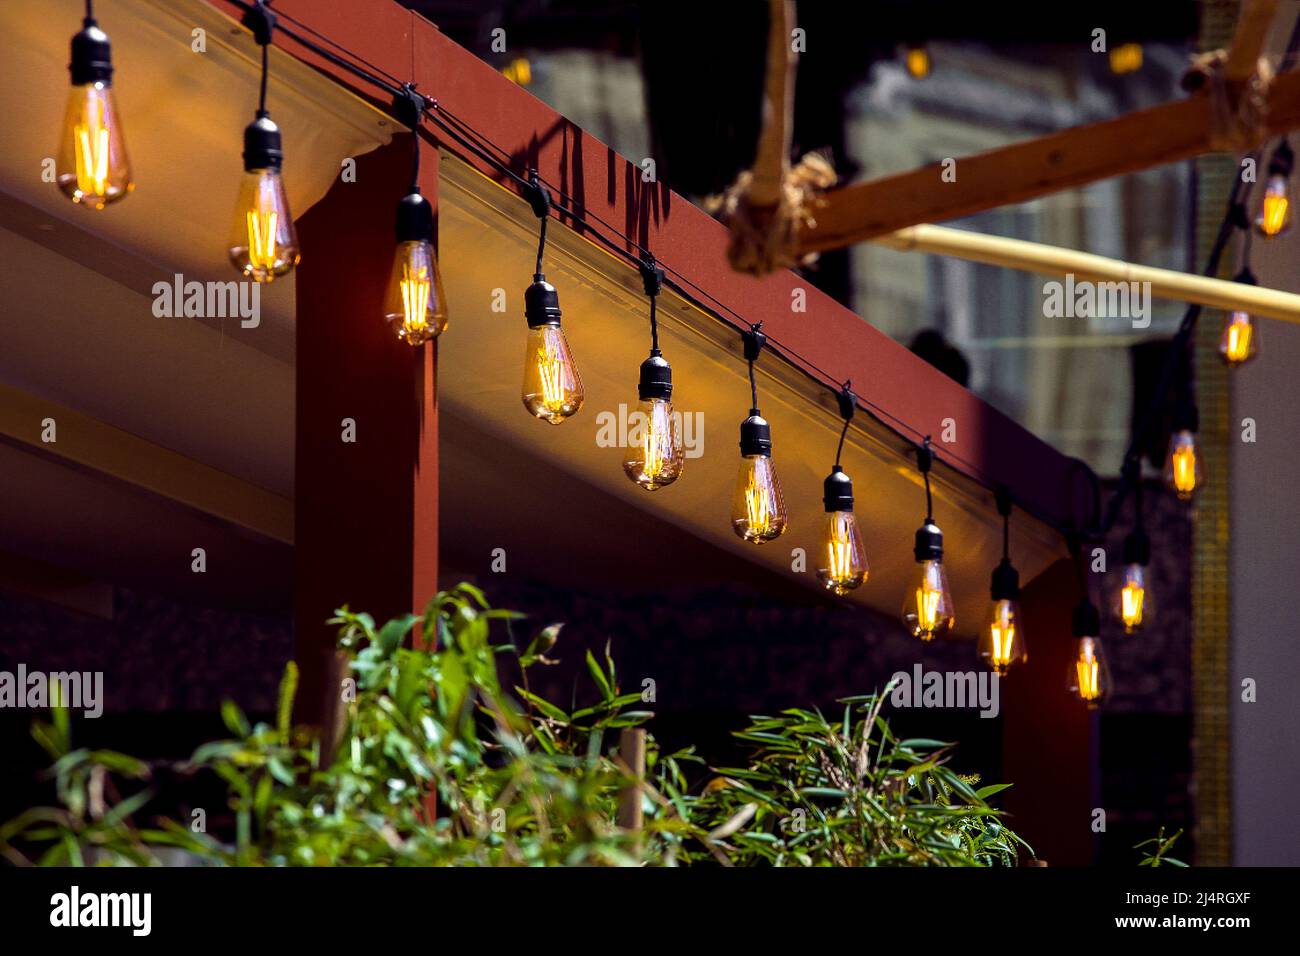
631, 750
1053, 260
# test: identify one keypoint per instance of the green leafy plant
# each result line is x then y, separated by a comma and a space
1155, 850
438, 763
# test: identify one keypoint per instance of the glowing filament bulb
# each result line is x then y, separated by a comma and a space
552, 388
414, 303
1239, 341
758, 512
261, 238
264, 244
415, 299
1089, 679
1001, 644
1183, 471
92, 167
928, 609
654, 439
845, 559
1274, 215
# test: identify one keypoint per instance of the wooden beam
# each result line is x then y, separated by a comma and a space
1084, 266
1248, 39
100, 447
1024, 171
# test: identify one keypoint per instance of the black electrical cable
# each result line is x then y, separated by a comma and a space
924, 461
90, 9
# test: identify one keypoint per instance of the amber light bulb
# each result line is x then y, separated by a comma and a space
656, 456
1183, 467
1002, 642
843, 564
552, 389
1274, 216
91, 167
758, 512
263, 242
1132, 603
1089, 676
928, 606
415, 306
917, 60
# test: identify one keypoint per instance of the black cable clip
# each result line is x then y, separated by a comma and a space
408, 106
260, 18
652, 276
847, 401
537, 195
754, 340
924, 457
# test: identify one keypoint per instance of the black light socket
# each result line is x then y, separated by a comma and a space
1283, 160
92, 55
656, 378
1246, 276
1085, 620
414, 218
929, 542
541, 303
837, 491
1137, 548
262, 145
755, 435
1186, 417
1006, 582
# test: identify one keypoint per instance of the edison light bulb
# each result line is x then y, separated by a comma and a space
843, 564
917, 61
415, 306
1133, 601
92, 168
758, 507
1239, 342
927, 609
1089, 677
1183, 469
263, 243
1002, 642
1274, 216
656, 455
927, 606
552, 386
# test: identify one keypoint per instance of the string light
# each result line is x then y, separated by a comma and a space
1183, 463
1274, 216
1132, 604
415, 306
91, 167
656, 455
758, 512
552, 389
1002, 642
928, 608
843, 556
916, 58
1240, 340
1089, 674
263, 242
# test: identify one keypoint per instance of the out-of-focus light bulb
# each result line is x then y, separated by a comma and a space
1002, 642
917, 60
1125, 58
1274, 216
1132, 604
927, 607
415, 306
1239, 343
656, 456
552, 388
1183, 467
843, 564
263, 243
92, 168
1089, 676
758, 512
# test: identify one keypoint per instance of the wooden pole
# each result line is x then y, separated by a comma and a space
631, 749
1053, 260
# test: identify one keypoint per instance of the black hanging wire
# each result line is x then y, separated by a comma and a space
652, 279
408, 107
261, 20
924, 461
848, 403
90, 9
754, 340
540, 199
1003, 496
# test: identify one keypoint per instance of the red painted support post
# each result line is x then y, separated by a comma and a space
366, 530
1049, 738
